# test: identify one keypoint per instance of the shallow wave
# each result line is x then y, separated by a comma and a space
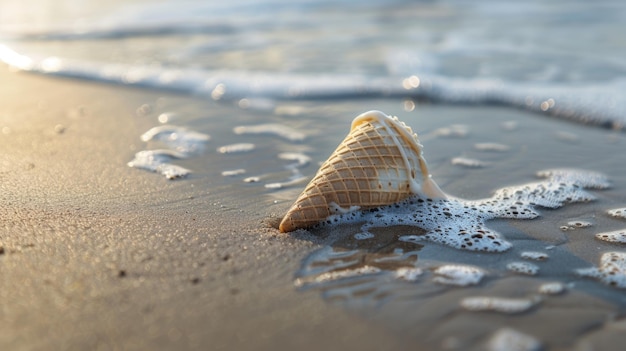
595, 103
155, 30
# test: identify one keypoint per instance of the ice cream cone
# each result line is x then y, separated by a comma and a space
379, 163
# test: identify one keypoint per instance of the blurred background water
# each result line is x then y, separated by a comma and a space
563, 58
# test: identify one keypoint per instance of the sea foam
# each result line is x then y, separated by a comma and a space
181, 143
611, 271
458, 275
461, 224
599, 104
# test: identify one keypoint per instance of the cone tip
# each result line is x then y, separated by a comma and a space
285, 226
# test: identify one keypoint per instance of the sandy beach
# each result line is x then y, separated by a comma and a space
97, 255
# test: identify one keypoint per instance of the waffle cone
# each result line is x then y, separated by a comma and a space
379, 163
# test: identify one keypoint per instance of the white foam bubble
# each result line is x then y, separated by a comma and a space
618, 212
523, 268
583, 178
507, 339
233, 172
580, 224
552, 288
495, 147
454, 131
334, 208
300, 159
159, 161
171, 171
461, 224
534, 255
364, 236
336, 275
468, 162
561, 186
448, 222
183, 143
409, 274
458, 275
279, 130
178, 138
611, 271
498, 304
571, 225
617, 236
236, 148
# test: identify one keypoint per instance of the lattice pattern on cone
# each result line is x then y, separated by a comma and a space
379, 163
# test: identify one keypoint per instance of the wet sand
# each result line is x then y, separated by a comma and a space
96, 255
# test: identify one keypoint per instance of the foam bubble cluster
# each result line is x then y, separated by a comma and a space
534, 255
552, 288
279, 130
611, 271
409, 274
347, 273
468, 162
494, 147
498, 304
618, 212
458, 275
236, 148
454, 131
523, 268
178, 138
507, 339
159, 161
617, 236
461, 224
181, 143
571, 225
233, 172
373, 269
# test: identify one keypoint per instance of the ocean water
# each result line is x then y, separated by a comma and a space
497, 91
562, 58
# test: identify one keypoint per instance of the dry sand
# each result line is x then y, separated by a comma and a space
96, 255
